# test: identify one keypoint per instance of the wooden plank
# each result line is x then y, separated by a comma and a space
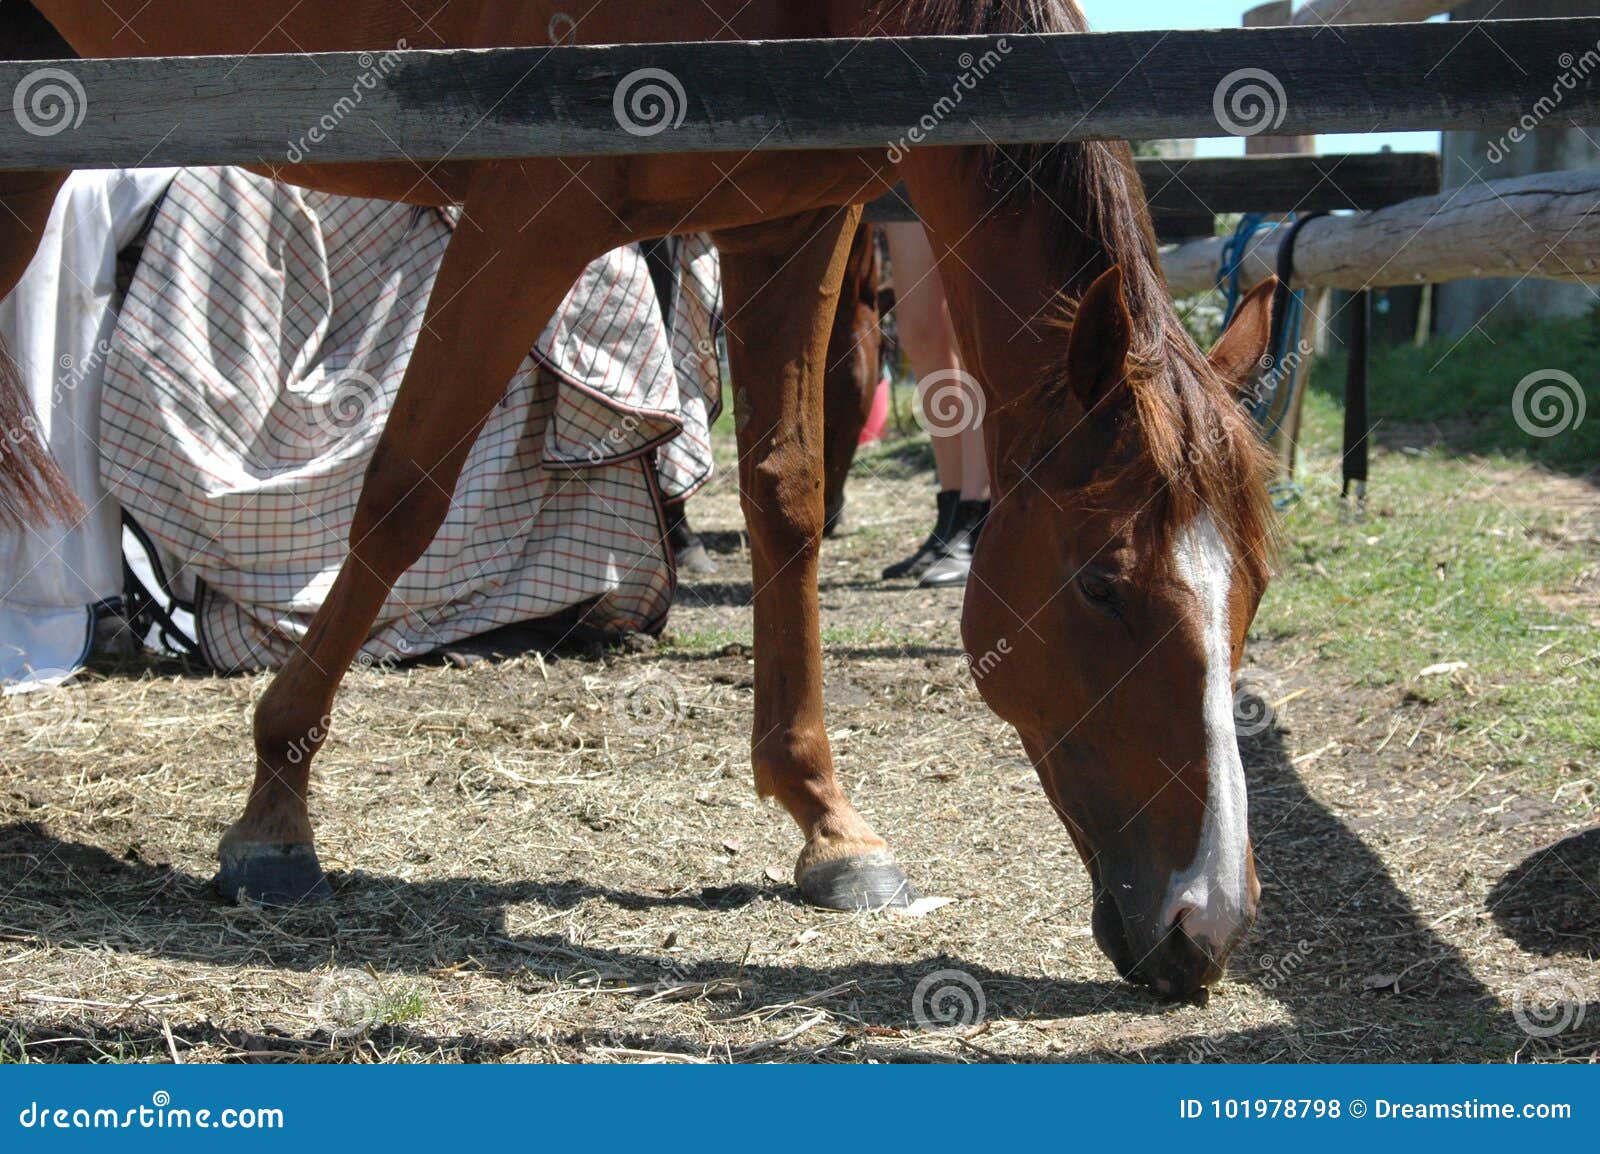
1171, 227
1546, 225
1289, 183
804, 94
1186, 193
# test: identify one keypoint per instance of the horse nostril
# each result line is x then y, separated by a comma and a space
1176, 920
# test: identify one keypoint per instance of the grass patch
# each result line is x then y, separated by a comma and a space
1463, 388
1462, 558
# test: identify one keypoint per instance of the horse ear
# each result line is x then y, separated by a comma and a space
1238, 353
1102, 333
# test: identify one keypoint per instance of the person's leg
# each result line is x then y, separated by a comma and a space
923, 322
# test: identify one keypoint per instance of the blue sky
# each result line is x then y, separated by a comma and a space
1134, 15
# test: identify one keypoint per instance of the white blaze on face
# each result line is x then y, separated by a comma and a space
1214, 886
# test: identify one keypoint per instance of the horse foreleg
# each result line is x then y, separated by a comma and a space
498, 284
780, 288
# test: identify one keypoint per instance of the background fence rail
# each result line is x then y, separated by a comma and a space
1186, 195
1546, 225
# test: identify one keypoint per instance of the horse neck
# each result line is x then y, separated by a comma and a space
1007, 270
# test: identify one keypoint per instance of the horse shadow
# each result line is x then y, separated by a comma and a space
1359, 974
388, 925
1549, 903
1346, 952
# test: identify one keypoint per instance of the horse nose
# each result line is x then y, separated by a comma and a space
1215, 927
1213, 917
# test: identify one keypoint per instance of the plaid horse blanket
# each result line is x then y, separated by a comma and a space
257, 355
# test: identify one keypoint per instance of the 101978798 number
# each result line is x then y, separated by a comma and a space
1248, 1108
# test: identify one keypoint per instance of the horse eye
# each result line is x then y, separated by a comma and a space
1096, 589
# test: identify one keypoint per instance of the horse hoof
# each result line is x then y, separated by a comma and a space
272, 875
872, 881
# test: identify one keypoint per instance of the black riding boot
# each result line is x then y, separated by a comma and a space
688, 551
955, 561
929, 551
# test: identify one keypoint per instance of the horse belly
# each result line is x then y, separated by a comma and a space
431, 187
238, 27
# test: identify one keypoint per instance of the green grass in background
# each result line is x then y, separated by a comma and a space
1464, 387
1466, 554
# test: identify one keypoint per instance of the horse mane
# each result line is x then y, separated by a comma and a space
1190, 440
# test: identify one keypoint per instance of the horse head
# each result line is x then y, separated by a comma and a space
1114, 584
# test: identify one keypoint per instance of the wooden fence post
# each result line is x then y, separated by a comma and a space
1286, 440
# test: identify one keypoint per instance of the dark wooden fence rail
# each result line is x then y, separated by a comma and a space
524, 102
1187, 195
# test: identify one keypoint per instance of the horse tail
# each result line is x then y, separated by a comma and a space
33, 489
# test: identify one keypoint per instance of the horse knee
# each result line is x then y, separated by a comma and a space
399, 512
784, 503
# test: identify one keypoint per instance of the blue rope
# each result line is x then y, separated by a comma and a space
1269, 410
1233, 253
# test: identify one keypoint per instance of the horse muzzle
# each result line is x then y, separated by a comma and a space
1164, 956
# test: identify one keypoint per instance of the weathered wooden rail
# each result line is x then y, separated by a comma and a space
1546, 225
1186, 195
736, 96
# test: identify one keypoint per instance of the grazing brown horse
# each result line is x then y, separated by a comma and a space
1126, 553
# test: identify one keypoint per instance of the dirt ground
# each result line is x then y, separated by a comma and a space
563, 859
